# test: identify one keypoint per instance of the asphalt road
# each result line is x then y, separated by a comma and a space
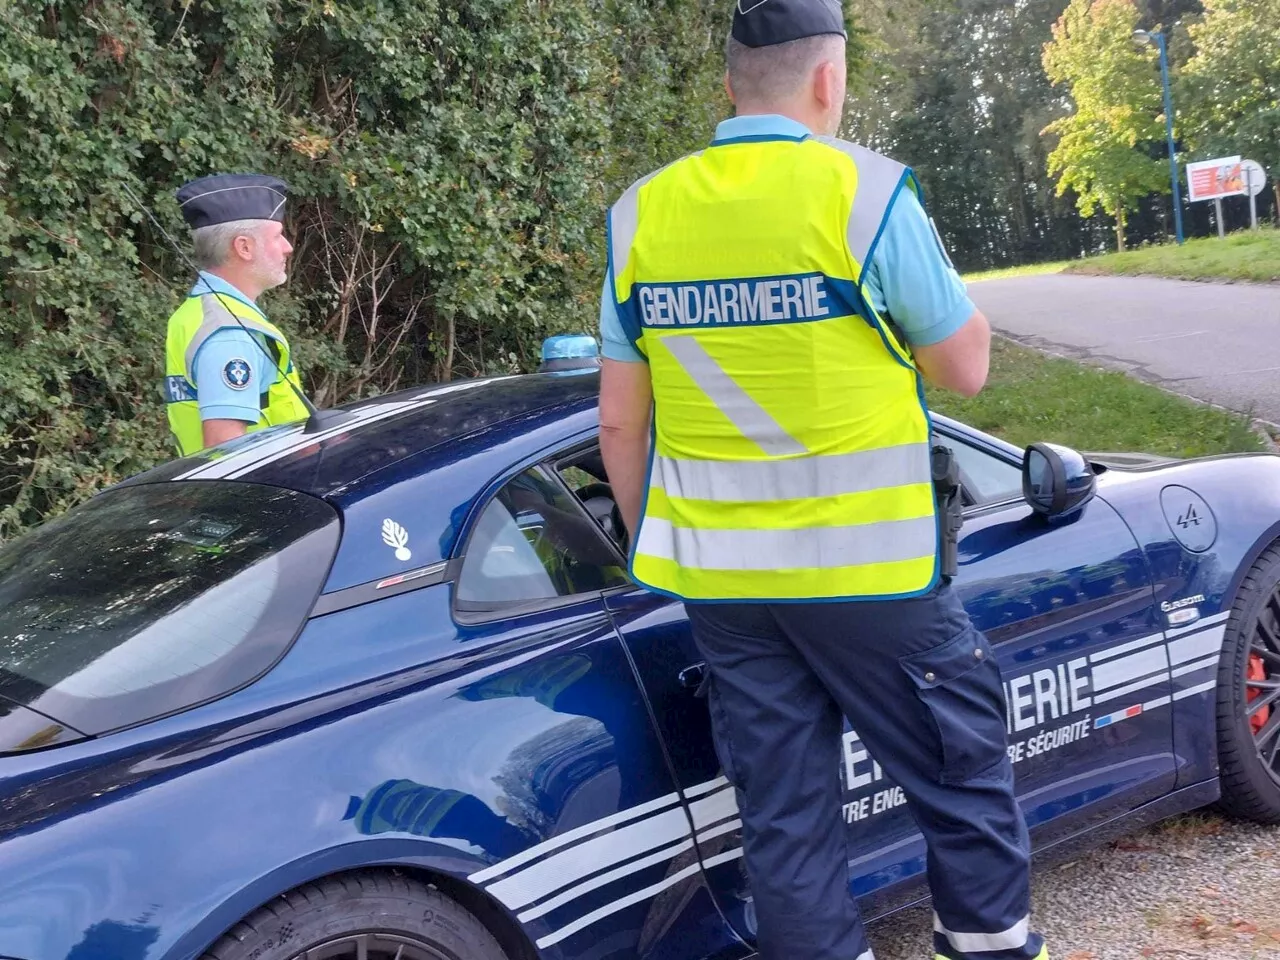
1215, 342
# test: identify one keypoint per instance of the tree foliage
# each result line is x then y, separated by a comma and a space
451, 163
1231, 84
1117, 109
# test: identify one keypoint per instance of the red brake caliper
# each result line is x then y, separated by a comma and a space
1257, 671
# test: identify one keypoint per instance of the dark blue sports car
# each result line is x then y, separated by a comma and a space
382, 689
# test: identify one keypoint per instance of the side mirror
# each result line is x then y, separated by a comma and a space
1056, 481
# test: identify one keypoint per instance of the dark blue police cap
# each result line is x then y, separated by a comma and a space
763, 23
224, 197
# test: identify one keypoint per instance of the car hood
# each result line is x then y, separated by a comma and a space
1131, 460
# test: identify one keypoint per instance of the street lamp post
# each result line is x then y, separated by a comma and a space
1144, 37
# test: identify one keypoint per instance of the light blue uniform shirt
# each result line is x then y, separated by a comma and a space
232, 369
910, 276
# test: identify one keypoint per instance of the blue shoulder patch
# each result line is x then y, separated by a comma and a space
237, 374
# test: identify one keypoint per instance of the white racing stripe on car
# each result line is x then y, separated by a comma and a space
1194, 646
708, 811
611, 908
1198, 625
556, 872
293, 439
603, 879
1198, 688
1124, 670
1128, 713
586, 830
1116, 651
714, 808
256, 456
647, 893
664, 824
712, 832
707, 787
1210, 661
1161, 677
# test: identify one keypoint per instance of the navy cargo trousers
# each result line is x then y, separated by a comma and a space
921, 686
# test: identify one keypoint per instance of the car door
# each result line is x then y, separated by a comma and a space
608, 868
656, 636
1071, 613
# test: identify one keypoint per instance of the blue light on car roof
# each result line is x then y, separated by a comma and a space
569, 352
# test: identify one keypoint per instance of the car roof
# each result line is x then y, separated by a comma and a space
387, 430
418, 458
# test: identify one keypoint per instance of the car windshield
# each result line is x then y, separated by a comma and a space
151, 598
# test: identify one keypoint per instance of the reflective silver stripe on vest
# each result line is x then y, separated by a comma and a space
805, 549
1011, 939
217, 316
624, 220
878, 180
758, 481
753, 420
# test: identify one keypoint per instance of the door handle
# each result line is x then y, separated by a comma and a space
694, 678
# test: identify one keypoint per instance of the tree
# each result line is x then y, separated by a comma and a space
1117, 108
1231, 86
451, 163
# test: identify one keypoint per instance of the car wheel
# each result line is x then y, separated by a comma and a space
1249, 697
361, 916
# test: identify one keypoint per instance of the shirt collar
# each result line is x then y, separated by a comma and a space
760, 126
199, 289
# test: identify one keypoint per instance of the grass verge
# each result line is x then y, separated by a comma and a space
1247, 255
1031, 397
1026, 270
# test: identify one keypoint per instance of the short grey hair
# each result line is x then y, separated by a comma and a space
767, 75
213, 244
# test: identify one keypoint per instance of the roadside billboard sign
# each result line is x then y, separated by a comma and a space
1215, 179
1226, 177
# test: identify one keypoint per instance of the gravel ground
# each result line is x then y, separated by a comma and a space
1195, 886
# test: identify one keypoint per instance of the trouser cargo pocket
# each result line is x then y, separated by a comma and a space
959, 684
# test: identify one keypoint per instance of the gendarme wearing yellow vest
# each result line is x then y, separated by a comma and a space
790, 456
236, 222
193, 323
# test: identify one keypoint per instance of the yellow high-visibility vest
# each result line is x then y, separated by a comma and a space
790, 454
199, 318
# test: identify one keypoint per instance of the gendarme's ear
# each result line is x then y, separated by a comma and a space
728, 88
244, 246
826, 86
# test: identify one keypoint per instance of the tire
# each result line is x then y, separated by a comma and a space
1251, 773
329, 919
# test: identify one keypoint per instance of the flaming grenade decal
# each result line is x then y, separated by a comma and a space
396, 536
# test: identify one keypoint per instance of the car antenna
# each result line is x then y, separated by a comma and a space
317, 420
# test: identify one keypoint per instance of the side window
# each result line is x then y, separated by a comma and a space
534, 542
986, 477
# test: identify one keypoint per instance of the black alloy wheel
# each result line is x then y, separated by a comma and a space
1249, 696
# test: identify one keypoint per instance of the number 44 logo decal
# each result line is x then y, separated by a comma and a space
1190, 518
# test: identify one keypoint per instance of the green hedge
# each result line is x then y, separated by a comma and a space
451, 161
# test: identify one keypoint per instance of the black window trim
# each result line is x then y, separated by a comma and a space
392, 585
982, 506
475, 612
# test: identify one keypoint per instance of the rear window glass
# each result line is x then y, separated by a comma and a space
148, 599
